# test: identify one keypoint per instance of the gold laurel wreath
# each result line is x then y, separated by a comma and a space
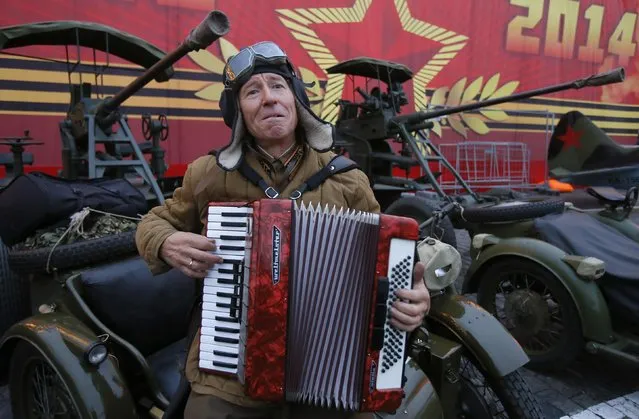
459, 94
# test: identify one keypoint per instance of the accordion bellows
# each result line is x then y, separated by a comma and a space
299, 309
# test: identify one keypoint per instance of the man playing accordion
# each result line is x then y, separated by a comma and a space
277, 143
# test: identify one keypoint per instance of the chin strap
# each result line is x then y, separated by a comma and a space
338, 164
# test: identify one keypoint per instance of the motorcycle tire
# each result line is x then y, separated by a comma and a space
505, 397
509, 211
25, 363
75, 255
15, 294
422, 209
571, 341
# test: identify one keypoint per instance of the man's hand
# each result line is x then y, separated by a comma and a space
190, 253
409, 315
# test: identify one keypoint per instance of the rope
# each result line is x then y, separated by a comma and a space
76, 225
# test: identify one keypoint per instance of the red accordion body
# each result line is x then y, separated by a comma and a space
301, 313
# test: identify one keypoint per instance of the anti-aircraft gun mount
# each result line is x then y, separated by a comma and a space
15, 160
92, 120
363, 128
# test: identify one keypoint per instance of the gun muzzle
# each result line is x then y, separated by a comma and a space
214, 26
613, 76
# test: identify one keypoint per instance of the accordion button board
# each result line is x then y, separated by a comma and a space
299, 310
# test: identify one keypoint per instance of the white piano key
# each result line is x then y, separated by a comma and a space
223, 354
221, 317
221, 280
241, 244
225, 311
217, 210
208, 365
225, 225
217, 335
235, 235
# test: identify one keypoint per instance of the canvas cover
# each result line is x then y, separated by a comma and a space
86, 34
580, 234
36, 200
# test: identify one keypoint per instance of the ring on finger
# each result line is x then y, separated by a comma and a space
191, 263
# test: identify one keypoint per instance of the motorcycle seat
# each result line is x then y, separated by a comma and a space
607, 195
581, 234
167, 365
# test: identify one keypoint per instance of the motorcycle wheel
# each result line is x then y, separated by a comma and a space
486, 397
535, 308
421, 210
37, 390
15, 294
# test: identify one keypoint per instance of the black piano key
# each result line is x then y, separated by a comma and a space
226, 329
226, 271
232, 262
225, 354
225, 305
232, 224
234, 214
223, 365
230, 295
228, 281
227, 319
226, 247
226, 340
232, 238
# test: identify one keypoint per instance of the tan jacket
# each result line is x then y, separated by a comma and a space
204, 182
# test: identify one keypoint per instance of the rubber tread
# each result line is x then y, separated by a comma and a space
75, 255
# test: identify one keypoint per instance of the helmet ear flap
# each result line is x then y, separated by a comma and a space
227, 106
300, 91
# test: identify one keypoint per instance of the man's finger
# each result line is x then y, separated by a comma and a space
404, 326
418, 273
417, 295
206, 258
404, 317
409, 309
198, 241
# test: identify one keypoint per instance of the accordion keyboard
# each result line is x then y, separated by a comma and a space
223, 325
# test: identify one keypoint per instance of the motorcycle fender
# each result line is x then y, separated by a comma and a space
98, 391
591, 305
421, 399
479, 332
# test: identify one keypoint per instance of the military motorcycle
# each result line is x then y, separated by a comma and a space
562, 279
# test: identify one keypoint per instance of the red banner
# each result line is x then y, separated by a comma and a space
459, 51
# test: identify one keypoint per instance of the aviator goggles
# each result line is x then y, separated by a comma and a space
241, 64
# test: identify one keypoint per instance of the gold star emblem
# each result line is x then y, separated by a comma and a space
299, 22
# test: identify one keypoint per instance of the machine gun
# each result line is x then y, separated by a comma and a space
363, 127
92, 120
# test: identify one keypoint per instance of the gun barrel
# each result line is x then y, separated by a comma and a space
614, 76
214, 26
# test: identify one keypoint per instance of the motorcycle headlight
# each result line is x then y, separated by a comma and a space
442, 261
96, 353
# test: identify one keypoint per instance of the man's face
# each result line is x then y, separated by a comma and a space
268, 107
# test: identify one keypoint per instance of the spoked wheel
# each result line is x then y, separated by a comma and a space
484, 397
536, 309
37, 390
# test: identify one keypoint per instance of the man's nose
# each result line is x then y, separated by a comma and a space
268, 96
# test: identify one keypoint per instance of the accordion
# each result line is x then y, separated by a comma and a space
299, 309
